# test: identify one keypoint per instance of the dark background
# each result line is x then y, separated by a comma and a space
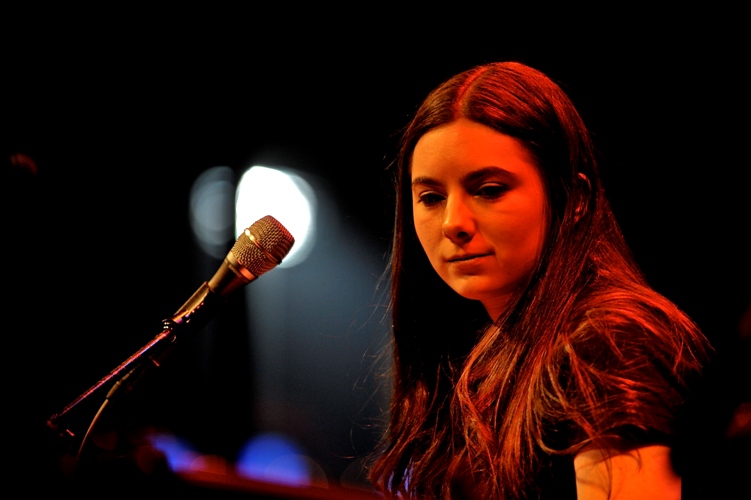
121, 111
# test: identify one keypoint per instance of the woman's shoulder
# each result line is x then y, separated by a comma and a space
638, 345
636, 318
634, 337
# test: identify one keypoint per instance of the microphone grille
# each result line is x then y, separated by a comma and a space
263, 245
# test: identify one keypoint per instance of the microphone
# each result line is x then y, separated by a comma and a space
260, 248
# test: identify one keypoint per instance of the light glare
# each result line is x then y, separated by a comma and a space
286, 197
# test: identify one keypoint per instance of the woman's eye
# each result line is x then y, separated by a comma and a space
430, 198
491, 191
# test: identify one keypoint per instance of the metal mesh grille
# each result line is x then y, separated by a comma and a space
273, 239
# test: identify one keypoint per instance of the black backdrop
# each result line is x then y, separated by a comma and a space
143, 103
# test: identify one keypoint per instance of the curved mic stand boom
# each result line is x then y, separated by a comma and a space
136, 366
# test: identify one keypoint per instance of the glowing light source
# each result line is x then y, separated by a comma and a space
212, 200
178, 452
284, 195
274, 458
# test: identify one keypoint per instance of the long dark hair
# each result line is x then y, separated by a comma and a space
471, 394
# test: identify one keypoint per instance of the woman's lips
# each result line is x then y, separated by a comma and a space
465, 258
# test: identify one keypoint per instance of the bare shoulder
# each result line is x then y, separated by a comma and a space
642, 473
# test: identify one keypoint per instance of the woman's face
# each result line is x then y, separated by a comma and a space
478, 203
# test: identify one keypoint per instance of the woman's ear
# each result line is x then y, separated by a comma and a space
584, 190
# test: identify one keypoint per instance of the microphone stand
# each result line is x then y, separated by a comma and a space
262, 246
132, 370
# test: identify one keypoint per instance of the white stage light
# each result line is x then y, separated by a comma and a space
285, 196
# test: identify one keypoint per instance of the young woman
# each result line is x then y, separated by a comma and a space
531, 357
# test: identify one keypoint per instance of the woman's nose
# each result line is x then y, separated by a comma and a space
458, 221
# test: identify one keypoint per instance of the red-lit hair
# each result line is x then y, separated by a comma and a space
586, 346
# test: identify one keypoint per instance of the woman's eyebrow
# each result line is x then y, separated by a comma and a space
474, 176
487, 172
471, 176
425, 180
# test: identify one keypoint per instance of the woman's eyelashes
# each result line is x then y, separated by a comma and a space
489, 191
430, 198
